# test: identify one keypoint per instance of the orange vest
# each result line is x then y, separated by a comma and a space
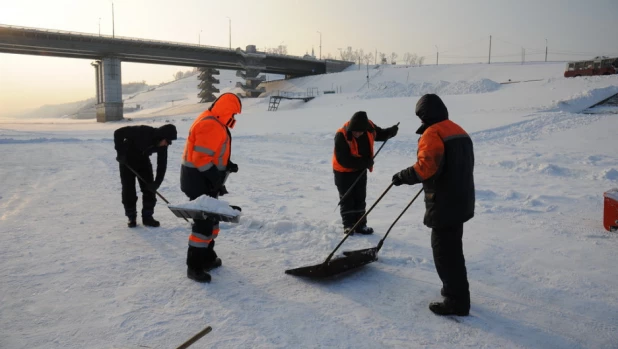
353, 147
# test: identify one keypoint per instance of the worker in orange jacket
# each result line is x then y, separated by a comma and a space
353, 154
205, 164
445, 167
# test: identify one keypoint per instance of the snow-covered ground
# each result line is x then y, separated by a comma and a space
542, 270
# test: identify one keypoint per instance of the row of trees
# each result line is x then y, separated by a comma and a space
359, 55
181, 75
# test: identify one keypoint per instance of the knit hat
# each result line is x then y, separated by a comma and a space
167, 132
359, 122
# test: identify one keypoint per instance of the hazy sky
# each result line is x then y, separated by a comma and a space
460, 28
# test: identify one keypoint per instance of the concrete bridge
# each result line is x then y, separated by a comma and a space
109, 51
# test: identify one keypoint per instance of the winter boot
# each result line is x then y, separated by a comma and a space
150, 221
449, 308
442, 292
346, 230
365, 230
215, 264
198, 275
132, 223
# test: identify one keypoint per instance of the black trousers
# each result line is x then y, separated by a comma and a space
129, 196
353, 207
448, 257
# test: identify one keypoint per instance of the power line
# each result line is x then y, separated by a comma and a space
468, 44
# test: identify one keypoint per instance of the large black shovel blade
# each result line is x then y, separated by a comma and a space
334, 267
370, 252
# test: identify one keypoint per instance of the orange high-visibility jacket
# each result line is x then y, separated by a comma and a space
208, 143
371, 134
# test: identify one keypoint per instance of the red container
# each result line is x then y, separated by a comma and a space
610, 210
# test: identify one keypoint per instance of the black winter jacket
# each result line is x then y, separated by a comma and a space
137, 143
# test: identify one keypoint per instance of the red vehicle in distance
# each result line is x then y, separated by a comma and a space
596, 66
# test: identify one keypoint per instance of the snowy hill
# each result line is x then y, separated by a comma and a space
541, 267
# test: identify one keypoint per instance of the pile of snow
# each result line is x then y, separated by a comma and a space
208, 204
397, 89
586, 99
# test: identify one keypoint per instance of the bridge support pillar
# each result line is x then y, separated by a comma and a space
207, 84
253, 66
109, 89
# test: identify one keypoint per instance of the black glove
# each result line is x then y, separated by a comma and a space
397, 180
223, 191
122, 159
369, 163
232, 167
393, 131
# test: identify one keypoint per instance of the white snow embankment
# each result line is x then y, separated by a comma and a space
396, 89
585, 99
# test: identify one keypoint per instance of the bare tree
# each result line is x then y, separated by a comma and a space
279, 50
409, 58
383, 58
368, 58
421, 60
406, 58
394, 58
359, 55
348, 54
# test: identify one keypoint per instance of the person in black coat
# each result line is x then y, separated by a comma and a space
445, 166
134, 145
353, 155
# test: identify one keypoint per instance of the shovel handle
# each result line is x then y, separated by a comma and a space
356, 225
396, 220
156, 192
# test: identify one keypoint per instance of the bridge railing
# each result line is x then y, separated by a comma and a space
107, 36
93, 36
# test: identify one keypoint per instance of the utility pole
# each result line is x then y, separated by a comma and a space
545, 50
437, 54
199, 38
320, 44
375, 60
113, 25
368, 72
230, 30
489, 61
99, 26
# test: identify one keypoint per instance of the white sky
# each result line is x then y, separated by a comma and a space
573, 29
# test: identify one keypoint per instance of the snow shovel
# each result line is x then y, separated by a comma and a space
225, 216
359, 177
331, 267
372, 253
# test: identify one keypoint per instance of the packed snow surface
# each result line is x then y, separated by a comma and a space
542, 269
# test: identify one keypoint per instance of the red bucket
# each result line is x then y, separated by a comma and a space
610, 210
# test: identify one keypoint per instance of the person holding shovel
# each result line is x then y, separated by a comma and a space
352, 157
134, 145
205, 166
445, 166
